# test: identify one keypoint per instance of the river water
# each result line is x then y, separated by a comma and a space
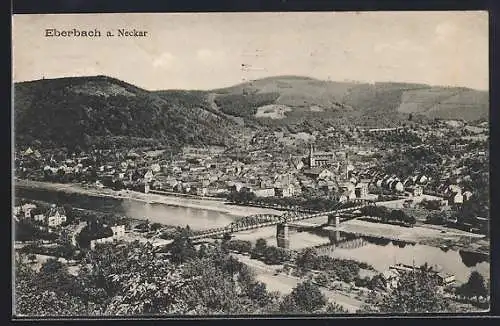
156, 213
380, 253
376, 252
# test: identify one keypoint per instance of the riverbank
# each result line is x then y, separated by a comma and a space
211, 205
451, 238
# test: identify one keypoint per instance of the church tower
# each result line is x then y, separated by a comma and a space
312, 162
347, 166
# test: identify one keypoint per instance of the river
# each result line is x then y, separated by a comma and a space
380, 253
197, 219
377, 252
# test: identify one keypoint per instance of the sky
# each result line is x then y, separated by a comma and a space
214, 50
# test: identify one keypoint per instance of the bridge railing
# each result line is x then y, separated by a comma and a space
275, 219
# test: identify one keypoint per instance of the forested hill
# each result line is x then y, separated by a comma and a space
104, 111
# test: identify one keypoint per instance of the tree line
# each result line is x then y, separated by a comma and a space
301, 203
137, 279
388, 216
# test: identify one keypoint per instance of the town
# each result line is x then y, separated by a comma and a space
431, 176
199, 165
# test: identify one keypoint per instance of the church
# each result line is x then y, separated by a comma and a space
317, 159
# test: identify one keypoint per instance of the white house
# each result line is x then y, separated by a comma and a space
265, 192
155, 167
391, 278
118, 231
55, 216
148, 176
285, 191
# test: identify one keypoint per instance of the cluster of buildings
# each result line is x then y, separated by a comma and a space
53, 217
349, 172
393, 274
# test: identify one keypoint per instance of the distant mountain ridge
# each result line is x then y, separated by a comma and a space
101, 110
355, 100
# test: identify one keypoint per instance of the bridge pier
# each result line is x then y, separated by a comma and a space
333, 220
282, 232
334, 237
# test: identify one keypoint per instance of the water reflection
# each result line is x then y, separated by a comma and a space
471, 259
381, 253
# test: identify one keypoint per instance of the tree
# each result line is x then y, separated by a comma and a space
34, 298
306, 297
182, 248
397, 215
260, 247
438, 218
257, 292
475, 286
431, 204
239, 245
306, 259
322, 279
70, 215
416, 292
377, 282
32, 258
275, 255
335, 308
131, 280
202, 252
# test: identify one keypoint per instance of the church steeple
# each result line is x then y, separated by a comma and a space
347, 166
311, 156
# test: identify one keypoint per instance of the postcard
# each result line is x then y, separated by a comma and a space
265, 164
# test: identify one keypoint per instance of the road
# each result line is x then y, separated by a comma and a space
285, 283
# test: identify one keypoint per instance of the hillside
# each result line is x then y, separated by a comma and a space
108, 112
301, 98
105, 111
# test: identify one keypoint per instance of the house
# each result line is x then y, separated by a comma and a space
396, 185
201, 191
415, 191
456, 198
391, 278
55, 216
285, 191
327, 185
155, 168
467, 195
318, 173
26, 210
235, 186
347, 186
148, 176
39, 218
361, 190
297, 163
118, 231
28, 152
421, 179
264, 192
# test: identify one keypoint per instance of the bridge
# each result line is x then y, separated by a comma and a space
282, 221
